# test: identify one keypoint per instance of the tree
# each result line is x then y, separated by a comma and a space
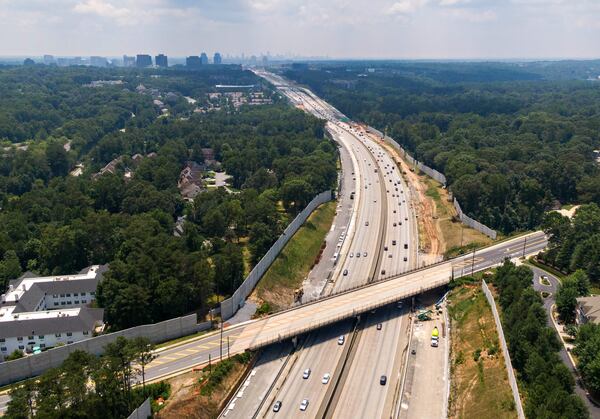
566, 301
16, 354
20, 405
582, 282
10, 268
144, 354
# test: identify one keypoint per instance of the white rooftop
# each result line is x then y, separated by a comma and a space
13, 295
7, 316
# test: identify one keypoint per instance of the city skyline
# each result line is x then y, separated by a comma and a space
386, 29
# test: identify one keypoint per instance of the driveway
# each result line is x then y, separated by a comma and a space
548, 303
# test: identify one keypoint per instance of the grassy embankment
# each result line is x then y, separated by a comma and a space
295, 261
480, 387
457, 237
203, 396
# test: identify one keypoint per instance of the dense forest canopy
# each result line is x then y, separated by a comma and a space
54, 223
512, 139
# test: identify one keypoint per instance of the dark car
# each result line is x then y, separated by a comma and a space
383, 380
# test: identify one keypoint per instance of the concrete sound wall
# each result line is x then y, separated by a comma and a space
31, 366
230, 306
434, 174
511, 374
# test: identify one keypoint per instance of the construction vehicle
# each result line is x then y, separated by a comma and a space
435, 336
298, 293
424, 315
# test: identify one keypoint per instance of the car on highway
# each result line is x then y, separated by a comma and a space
326, 378
357, 254
366, 224
277, 406
351, 254
394, 211
341, 340
304, 404
383, 380
390, 256
406, 245
306, 373
385, 248
345, 272
405, 259
395, 224
393, 242
365, 254
379, 326
383, 272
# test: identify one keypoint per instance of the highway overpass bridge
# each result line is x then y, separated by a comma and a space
316, 314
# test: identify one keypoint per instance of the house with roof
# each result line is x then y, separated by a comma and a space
588, 310
48, 311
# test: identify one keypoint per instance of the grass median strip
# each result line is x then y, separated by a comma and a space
295, 261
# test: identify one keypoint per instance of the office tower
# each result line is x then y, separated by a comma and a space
203, 58
48, 59
217, 58
96, 61
193, 61
161, 60
143, 60
128, 61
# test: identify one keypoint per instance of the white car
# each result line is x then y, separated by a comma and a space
341, 340
304, 404
326, 378
306, 373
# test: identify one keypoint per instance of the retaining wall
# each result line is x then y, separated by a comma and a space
31, 366
511, 373
465, 219
232, 304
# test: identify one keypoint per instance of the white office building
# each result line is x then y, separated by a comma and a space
46, 311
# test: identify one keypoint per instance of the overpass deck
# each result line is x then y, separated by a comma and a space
329, 310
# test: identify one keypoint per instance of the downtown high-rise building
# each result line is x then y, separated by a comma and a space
217, 58
128, 61
161, 60
203, 58
193, 61
96, 61
143, 60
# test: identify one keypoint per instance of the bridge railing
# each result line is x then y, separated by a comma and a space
327, 320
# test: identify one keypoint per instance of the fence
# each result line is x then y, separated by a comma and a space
465, 219
434, 174
511, 374
144, 411
31, 366
232, 304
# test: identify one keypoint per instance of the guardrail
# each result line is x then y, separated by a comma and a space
511, 373
231, 305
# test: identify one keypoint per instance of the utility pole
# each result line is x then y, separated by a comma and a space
221, 345
473, 262
524, 244
209, 364
462, 229
227, 347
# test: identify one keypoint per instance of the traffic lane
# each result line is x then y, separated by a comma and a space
320, 356
362, 394
253, 392
191, 354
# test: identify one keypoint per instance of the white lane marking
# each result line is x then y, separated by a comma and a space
163, 368
197, 358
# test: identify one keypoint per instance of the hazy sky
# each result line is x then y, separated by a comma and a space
336, 28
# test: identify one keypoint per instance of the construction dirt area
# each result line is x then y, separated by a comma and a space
440, 231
